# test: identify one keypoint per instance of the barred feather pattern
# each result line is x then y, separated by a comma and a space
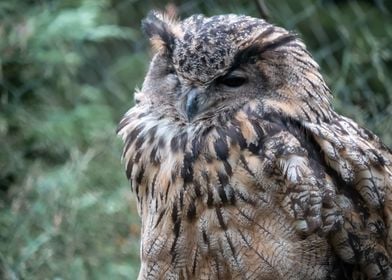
274, 187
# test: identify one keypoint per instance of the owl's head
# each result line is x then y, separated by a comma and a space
204, 68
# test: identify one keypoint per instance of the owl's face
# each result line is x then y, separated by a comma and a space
206, 68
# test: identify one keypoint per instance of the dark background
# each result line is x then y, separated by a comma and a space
67, 73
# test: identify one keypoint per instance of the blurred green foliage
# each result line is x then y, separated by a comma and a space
67, 73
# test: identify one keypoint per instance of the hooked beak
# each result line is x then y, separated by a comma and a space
192, 103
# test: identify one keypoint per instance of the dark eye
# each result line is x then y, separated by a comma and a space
233, 81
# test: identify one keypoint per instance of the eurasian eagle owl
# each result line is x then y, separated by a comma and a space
241, 167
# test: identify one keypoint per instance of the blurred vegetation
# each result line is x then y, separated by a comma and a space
67, 73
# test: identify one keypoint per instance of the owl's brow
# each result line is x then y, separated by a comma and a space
256, 50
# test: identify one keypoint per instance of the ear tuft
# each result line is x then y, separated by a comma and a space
159, 30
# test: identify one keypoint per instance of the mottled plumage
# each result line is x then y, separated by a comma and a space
242, 169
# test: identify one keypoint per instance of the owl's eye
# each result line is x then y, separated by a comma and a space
233, 80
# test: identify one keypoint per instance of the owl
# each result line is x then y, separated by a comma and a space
241, 167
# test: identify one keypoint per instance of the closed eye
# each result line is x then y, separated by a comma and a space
232, 80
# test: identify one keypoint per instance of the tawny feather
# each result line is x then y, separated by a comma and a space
241, 168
